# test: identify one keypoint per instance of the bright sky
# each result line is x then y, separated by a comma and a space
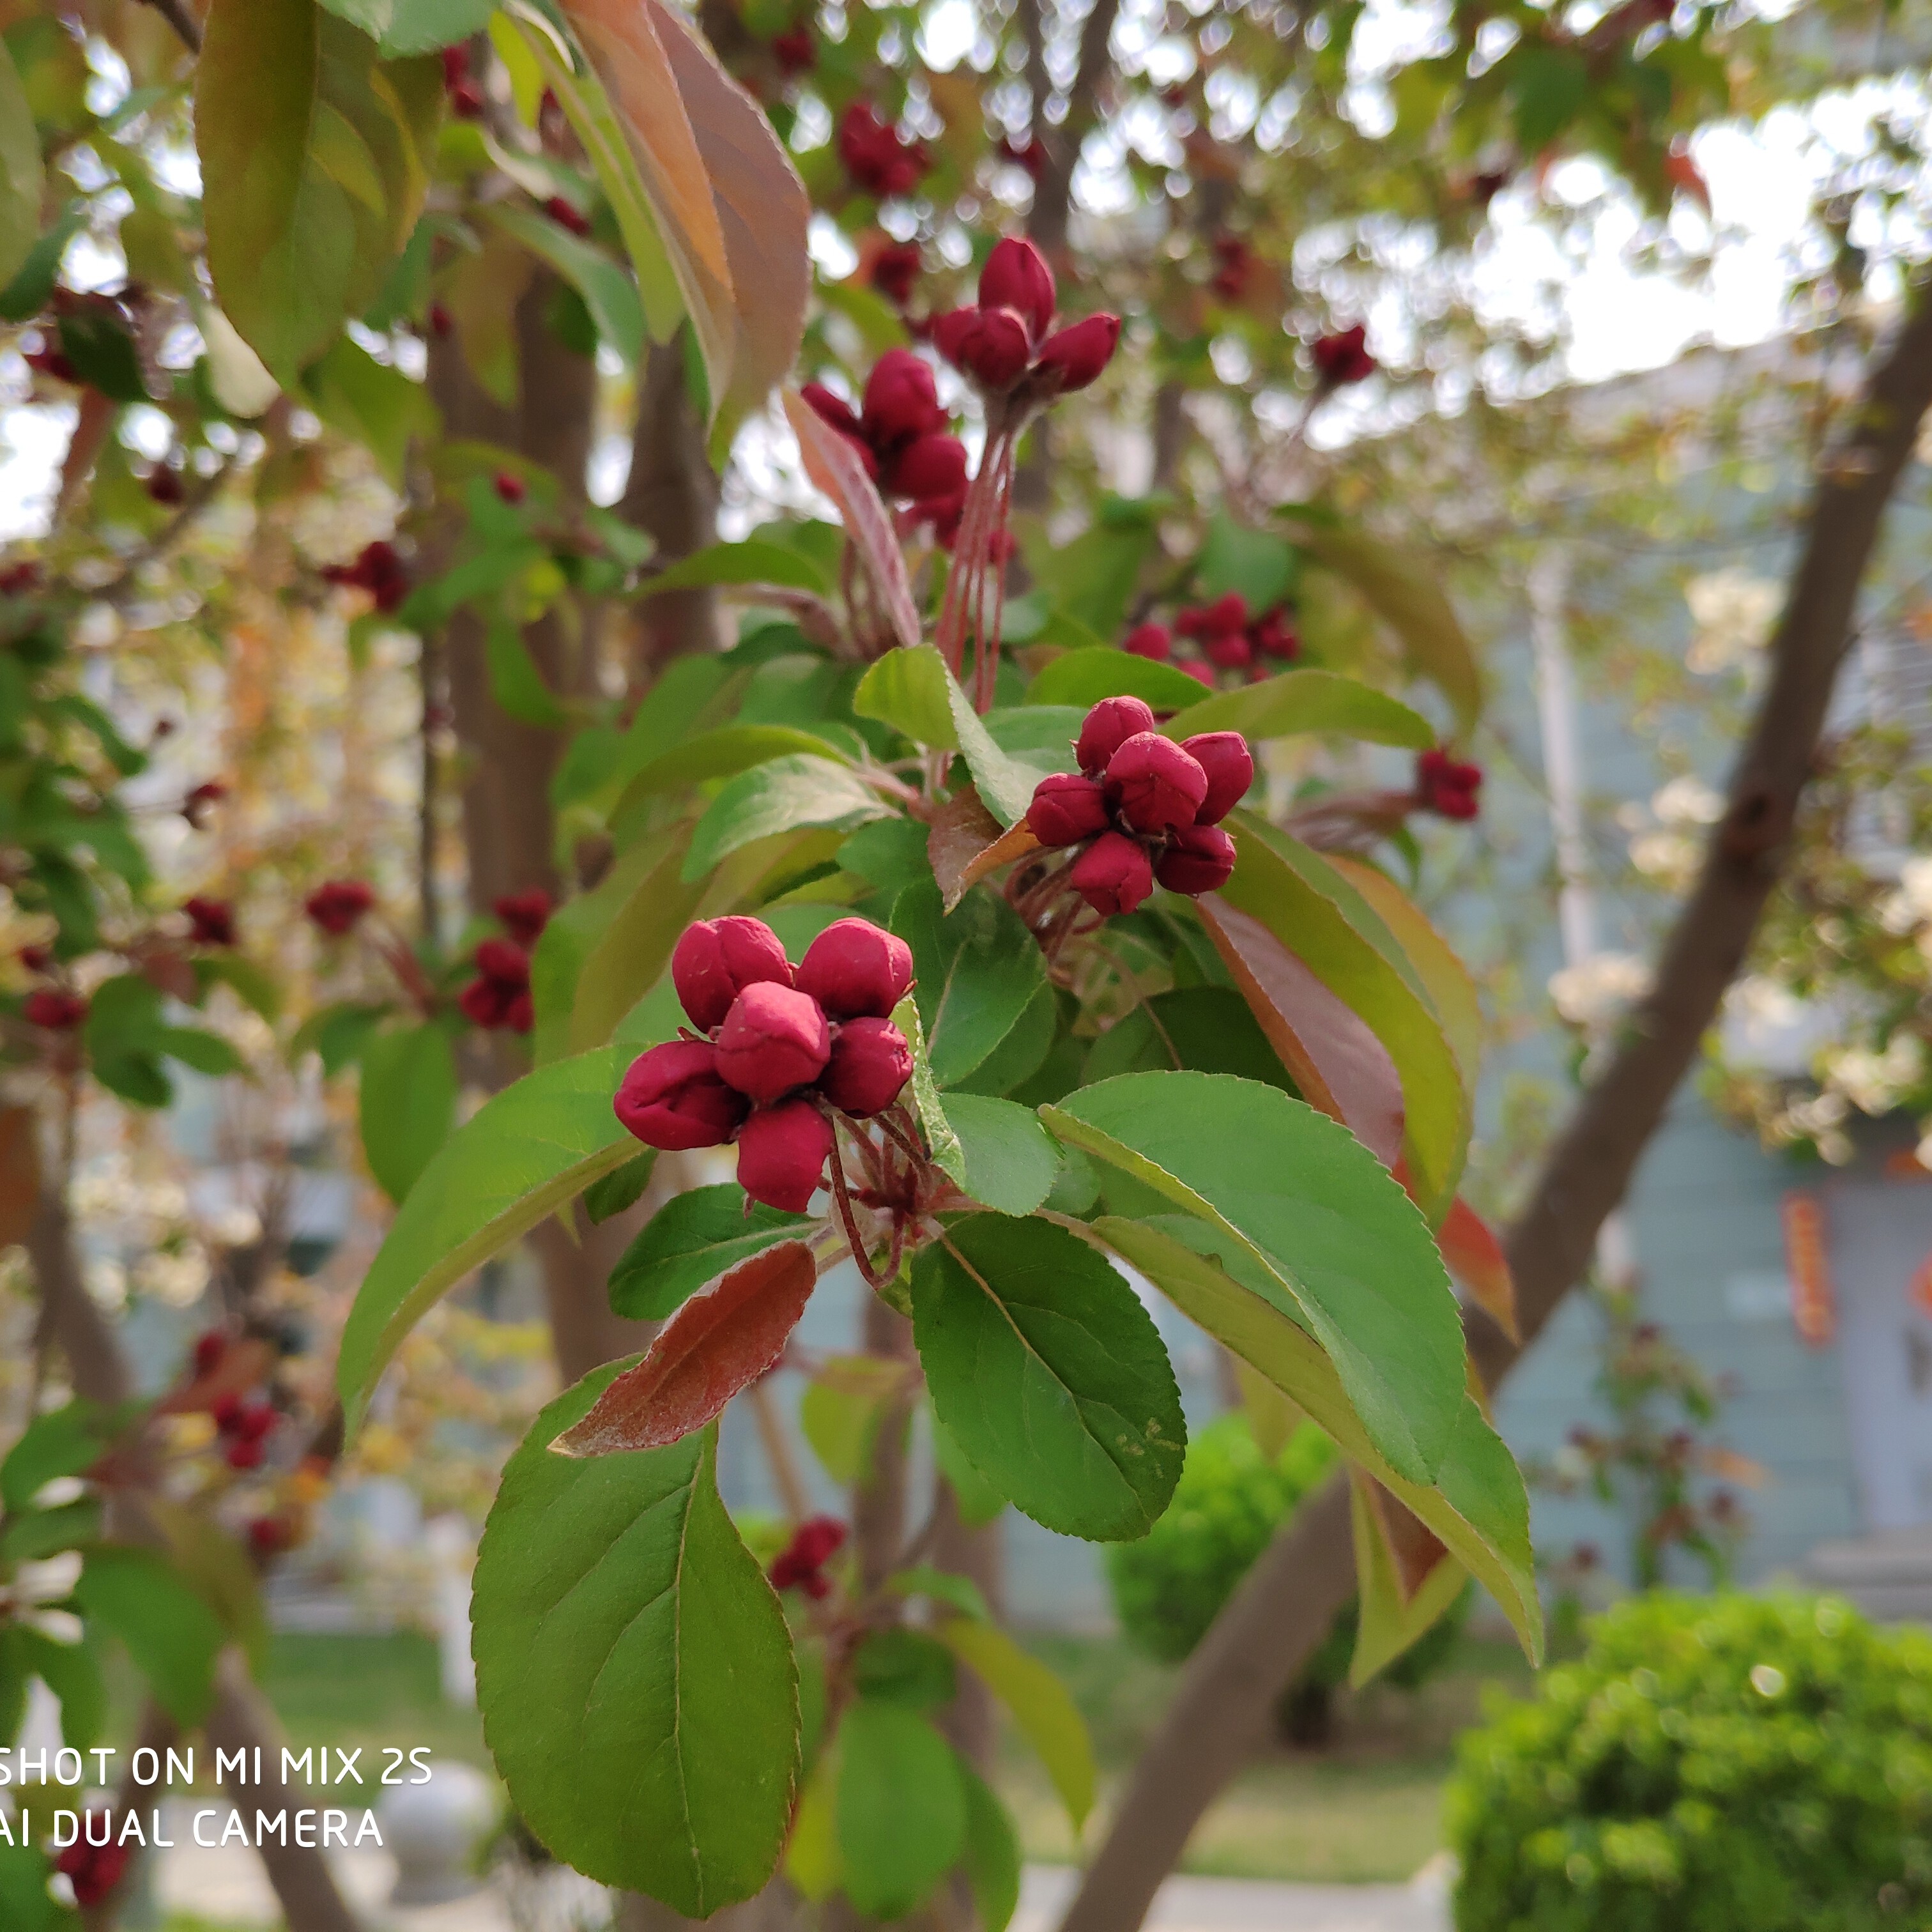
1617, 315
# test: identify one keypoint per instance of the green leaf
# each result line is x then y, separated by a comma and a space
1406, 593
407, 1105
1326, 922
515, 683
1390, 1619
905, 1667
942, 1586
220, 1569
313, 166
371, 403
914, 692
633, 1667
1477, 1506
1296, 701
608, 292
977, 1499
168, 1631
615, 1192
1208, 1029
992, 1854
977, 969
23, 296
843, 1404
724, 753
27, 1536
901, 1809
338, 1034
1332, 1229
1041, 1705
253, 984
1092, 579
941, 1141
415, 26
1257, 563
691, 1239
755, 560
1050, 1375
25, 1903
1085, 677
523, 1154
102, 351
62, 1442
1011, 1159
72, 1672
803, 789
206, 1052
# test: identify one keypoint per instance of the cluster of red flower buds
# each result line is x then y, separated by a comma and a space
53, 1009
459, 85
1447, 786
338, 905
795, 50
1030, 155
781, 1048
377, 569
245, 1428
1006, 342
20, 580
93, 1870
1150, 808
1343, 358
165, 486
498, 999
892, 268
899, 431
800, 1564
879, 162
1226, 636
210, 921
524, 915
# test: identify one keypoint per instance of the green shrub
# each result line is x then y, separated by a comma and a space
1729, 1764
1169, 1586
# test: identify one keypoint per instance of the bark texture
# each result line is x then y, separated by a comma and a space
1268, 1630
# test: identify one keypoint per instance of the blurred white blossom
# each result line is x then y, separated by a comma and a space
1731, 613
1875, 1081
1595, 991
1910, 906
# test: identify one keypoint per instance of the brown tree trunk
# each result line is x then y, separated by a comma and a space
672, 494
1273, 1623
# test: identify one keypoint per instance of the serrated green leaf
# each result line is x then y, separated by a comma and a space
691, 1239
615, 1192
914, 692
1041, 1705
608, 292
753, 560
804, 789
415, 26
633, 1668
407, 1104
1011, 1159
900, 1807
523, 1154
1049, 1374
168, 1630
1308, 1203
1305, 701
1085, 677
977, 967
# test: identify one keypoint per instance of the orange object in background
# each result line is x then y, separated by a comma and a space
1814, 1307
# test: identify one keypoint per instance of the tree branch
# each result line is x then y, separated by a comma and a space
1267, 1632
1053, 194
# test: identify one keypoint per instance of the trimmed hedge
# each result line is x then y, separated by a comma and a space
1728, 1764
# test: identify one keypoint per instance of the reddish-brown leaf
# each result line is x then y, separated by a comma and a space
20, 1173
724, 1337
962, 831
1476, 1259
1338, 1064
90, 431
833, 465
762, 212
1413, 1546
1015, 843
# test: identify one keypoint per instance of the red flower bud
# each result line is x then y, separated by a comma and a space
1235, 263
1107, 727
439, 319
165, 486
672, 1096
20, 580
781, 1154
933, 470
1230, 766
270, 1535
895, 269
902, 402
93, 1871
1076, 355
989, 344
485, 1003
195, 807
466, 100
1273, 633
833, 409
795, 51
1157, 784
1447, 786
510, 487
245, 1454
870, 1065
336, 905
717, 958
773, 1039
1230, 650
875, 157
209, 1349
1343, 358
524, 915
1150, 641
1194, 668
1200, 860
814, 1543
505, 962
1066, 808
567, 215
212, 921
455, 63
53, 1010
1113, 875
1016, 277
854, 967
1226, 614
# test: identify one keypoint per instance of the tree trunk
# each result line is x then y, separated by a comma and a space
1268, 1630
